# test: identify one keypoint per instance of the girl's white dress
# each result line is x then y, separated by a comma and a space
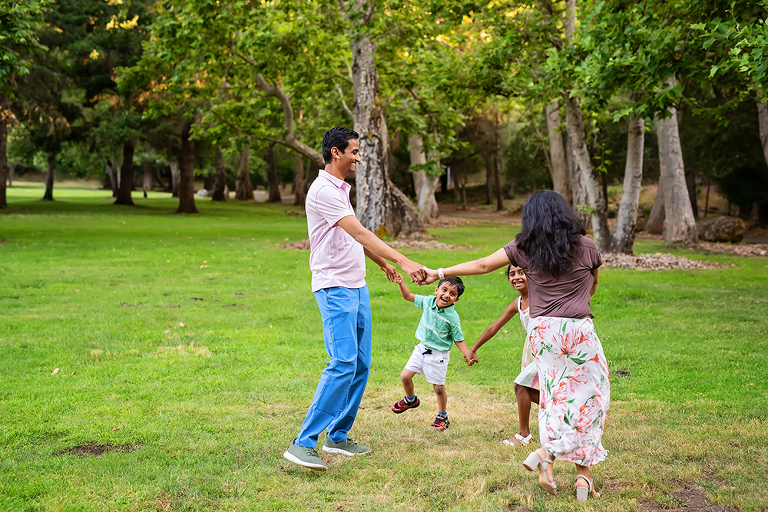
529, 374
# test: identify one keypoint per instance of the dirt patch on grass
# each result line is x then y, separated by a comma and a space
749, 250
691, 498
657, 261
190, 349
303, 245
445, 221
97, 450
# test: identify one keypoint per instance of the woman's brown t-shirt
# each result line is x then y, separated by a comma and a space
566, 296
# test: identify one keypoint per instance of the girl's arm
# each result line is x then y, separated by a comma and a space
490, 332
470, 268
595, 273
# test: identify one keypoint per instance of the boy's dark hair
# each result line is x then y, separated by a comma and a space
337, 137
455, 281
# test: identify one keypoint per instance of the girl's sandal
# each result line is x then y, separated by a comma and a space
533, 463
518, 440
582, 493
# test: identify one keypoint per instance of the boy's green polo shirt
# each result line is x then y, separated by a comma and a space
438, 328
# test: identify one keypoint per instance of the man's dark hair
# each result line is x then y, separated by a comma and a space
455, 281
337, 137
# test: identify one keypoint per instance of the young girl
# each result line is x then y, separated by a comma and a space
527, 383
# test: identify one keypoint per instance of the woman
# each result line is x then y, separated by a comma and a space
562, 269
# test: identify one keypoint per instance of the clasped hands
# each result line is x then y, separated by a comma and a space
417, 272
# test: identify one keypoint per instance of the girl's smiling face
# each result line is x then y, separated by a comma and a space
517, 279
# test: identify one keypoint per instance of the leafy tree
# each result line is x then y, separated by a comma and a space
19, 23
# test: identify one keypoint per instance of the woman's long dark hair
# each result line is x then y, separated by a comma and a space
551, 233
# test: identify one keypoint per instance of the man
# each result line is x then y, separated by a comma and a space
338, 246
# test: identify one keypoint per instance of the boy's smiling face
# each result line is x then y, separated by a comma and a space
447, 294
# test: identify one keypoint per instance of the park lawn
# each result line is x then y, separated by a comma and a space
192, 345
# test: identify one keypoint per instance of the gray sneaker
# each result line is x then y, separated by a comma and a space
306, 457
345, 447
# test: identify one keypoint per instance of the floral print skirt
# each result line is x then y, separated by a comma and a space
574, 388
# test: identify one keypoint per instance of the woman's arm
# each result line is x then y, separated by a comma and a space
491, 331
470, 268
595, 274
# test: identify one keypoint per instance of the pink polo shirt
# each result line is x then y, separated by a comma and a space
335, 258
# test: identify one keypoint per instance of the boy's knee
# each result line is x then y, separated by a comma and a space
406, 377
439, 389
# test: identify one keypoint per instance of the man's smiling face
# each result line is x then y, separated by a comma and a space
348, 160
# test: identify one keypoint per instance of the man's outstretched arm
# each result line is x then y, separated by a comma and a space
367, 239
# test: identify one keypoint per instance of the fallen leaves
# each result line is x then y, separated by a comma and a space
116, 429
55, 371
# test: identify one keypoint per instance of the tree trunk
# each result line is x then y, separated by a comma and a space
146, 184
489, 179
497, 163
298, 183
762, 117
455, 180
175, 177
381, 207
594, 193
210, 178
559, 165
579, 200
49, 177
655, 224
126, 175
220, 185
243, 187
274, 186
624, 237
423, 183
3, 148
110, 182
690, 184
681, 226
187, 172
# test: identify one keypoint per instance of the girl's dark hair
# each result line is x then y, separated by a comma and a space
551, 233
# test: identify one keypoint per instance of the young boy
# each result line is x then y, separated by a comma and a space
439, 328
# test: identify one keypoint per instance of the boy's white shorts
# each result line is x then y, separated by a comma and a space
433, 366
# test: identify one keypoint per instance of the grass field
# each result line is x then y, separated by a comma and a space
192, 346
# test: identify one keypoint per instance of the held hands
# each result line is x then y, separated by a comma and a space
391, 273
471, 358
431, 277
416, 271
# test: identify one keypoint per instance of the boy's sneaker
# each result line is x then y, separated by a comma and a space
403, 405
306, 457
440, 423
345, 447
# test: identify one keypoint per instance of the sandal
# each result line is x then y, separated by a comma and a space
532, 463
521, 441
582, 493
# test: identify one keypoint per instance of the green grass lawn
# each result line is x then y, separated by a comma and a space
193, 345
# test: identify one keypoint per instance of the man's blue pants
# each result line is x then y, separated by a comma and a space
346, 314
